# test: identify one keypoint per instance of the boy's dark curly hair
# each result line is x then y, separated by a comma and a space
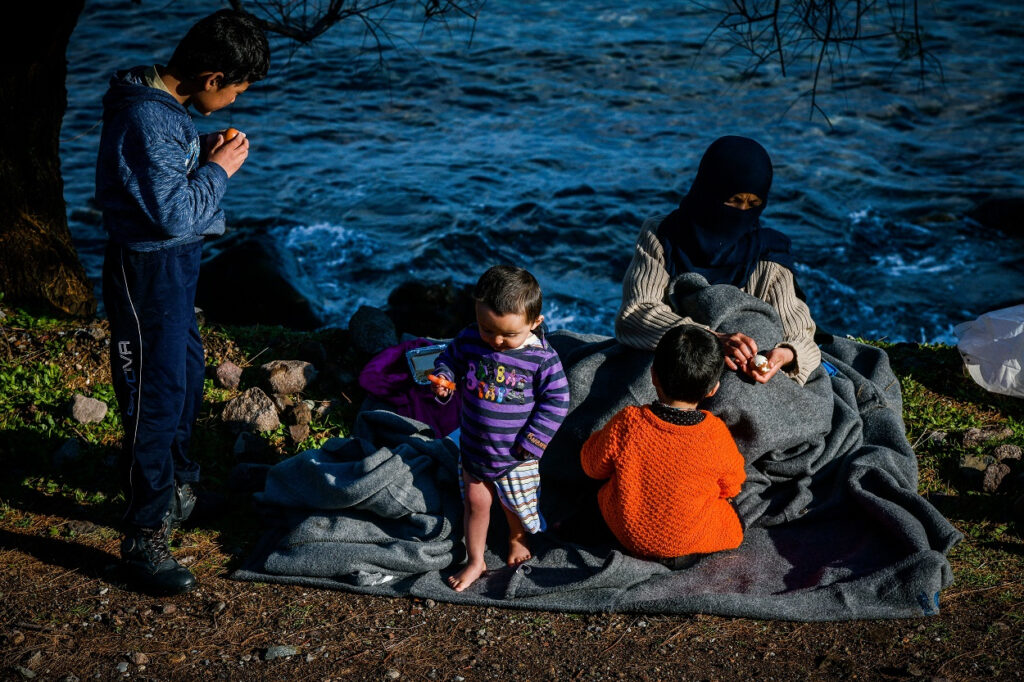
688, 362
227, 41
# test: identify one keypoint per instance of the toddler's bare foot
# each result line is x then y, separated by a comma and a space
518, 550
467, 576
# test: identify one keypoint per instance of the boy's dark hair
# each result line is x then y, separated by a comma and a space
507, 289
227, 41
688, 361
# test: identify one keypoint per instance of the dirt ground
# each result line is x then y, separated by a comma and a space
63, 618
65, 615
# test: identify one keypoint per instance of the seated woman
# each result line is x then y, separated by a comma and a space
716, 232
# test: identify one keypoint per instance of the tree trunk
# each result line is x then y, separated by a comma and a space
38, 264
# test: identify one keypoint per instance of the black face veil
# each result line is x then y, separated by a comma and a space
723, 243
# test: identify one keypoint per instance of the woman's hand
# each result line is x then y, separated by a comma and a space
777, 359
739, 349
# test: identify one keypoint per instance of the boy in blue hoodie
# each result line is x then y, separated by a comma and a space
159, 186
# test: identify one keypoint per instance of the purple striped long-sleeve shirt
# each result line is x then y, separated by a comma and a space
513, 401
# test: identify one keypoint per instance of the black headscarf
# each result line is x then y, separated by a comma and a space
722, 243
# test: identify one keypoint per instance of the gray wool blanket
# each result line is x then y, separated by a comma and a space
835, 527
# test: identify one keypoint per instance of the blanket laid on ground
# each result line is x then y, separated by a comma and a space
836, 529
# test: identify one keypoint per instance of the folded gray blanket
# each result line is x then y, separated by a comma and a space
835, 527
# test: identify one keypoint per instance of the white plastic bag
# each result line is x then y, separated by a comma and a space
992, 347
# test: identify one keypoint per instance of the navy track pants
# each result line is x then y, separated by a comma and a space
156, 361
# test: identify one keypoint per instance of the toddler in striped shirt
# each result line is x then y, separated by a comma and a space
514, 397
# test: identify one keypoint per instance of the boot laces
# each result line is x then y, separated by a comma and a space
154, 543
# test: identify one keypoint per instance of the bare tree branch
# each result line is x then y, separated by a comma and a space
826, 31
305, 20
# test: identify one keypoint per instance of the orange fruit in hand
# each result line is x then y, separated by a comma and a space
230, 133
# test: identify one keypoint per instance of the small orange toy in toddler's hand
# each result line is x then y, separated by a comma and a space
442, 382
230, 134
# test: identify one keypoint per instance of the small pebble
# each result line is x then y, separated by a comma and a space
122, 667
279, 651
393, 674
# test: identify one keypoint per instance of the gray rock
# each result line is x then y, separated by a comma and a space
1007, 451
34, 660
122, 667
313, 351
324, 408
243, 284
371, 330
298, 432
24, 672
249, 445
300, 414
973, 468
282, 401
1002, 212
279, 651
392, 674
433, 310
251, 411
228, 375
81, 526
979, 436
86, 410
289, 376
993, 477
70, 451
94, 332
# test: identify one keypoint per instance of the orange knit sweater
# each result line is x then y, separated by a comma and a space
668, 484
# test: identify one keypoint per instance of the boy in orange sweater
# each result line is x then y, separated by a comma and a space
671, 468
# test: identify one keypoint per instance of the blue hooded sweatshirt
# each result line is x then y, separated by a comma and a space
149, 184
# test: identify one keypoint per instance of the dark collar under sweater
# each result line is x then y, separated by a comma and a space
675, 415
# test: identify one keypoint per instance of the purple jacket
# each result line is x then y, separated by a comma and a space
387, 378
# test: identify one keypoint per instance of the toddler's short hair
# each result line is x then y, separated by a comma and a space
227, 41
688, 361
507, 289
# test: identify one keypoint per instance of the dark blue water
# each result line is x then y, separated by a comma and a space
548, 139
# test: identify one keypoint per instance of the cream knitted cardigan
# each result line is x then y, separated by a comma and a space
645, 314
